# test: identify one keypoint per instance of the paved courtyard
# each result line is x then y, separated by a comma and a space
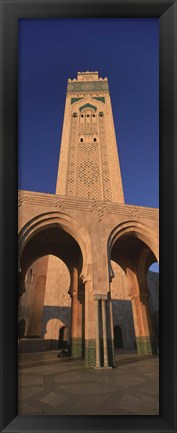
49, 385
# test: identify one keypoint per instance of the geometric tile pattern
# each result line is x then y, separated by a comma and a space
87, 87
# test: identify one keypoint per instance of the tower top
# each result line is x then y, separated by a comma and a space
88, 83
87, 76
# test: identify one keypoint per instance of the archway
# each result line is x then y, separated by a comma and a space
46, 298
63, 337
118, 338
52, 239
64, 223
135, 247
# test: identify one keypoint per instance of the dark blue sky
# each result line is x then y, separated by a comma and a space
124, 50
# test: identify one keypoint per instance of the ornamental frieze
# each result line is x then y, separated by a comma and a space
87, 87
98, 208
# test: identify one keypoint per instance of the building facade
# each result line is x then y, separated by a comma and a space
84, 254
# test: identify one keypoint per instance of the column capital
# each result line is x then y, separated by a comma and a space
101, 296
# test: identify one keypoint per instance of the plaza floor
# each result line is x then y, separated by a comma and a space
49, 385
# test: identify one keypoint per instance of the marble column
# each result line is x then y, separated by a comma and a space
74, 294
143, 325
90, 328
111, 339
150, 344
105, 344
98, 361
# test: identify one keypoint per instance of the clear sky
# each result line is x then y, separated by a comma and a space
124, 50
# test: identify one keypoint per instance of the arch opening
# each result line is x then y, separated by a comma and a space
118, 338
50, 255
134, 251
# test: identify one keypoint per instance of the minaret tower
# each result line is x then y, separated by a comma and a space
88, 163
78, 233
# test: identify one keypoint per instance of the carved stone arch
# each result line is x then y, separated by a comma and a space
79, 102
143, 265
140, 230
69, 225
87, 105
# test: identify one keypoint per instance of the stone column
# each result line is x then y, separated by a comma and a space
97, 324
77, 315
74, 294
149, 344
136, 318
80, 322
90, 328
105, 344
143, 326
110, 328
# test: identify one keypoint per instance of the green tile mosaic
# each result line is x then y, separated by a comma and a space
88, 106
100, 98
90, 353
146, 345
77, 347
75, 100
87, 87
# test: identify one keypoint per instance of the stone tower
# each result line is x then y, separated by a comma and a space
93, 250
88, 164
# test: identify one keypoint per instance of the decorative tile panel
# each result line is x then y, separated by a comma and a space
146, 345
87, 87
90, 353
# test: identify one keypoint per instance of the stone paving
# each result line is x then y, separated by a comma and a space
49, 385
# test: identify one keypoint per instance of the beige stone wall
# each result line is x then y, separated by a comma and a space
56, 305
57, 301
35, 277
119, 286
